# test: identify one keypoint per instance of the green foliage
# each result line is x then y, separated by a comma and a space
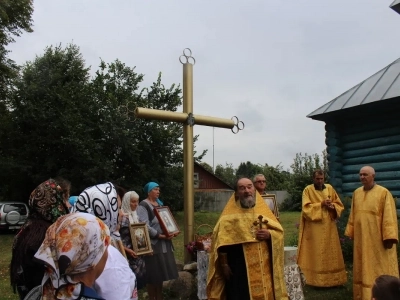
345, 242
301, 176
248, 170
16, 17
207, 167
60, 122
227, 173
277, 178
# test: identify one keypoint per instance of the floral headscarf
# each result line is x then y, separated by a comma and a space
47, 202
101, 201
74, 244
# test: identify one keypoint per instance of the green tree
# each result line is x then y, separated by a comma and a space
227, 173
301, 176
207, 167
48, 109
248, 170
277, 178
15, 17
65, 123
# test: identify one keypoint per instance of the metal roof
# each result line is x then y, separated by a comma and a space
395, 6
384, 84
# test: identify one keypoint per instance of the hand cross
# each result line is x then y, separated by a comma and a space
260, 222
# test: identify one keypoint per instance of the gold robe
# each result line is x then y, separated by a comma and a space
234, 227
319, 253
372, 220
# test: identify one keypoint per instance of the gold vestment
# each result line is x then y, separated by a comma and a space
372, 220
319, 253
235, 227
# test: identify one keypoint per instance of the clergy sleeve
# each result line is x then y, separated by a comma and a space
311, 206
389, 218
339, 207
350, 227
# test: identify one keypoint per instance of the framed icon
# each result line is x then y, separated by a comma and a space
167, 221
140, 238
270, 200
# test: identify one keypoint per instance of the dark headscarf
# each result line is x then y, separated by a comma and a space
46, 202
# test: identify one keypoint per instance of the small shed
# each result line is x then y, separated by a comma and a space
363, 128
210, 192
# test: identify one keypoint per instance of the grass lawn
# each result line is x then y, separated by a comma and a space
288, 221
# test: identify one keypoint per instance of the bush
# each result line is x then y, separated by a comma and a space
346, 243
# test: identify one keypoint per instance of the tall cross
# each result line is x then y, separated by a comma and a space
188, 119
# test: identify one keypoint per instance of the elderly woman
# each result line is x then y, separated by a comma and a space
161, 265
117, 281
46, 205
74, 252
130, 202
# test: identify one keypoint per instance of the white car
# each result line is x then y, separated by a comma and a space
13, 215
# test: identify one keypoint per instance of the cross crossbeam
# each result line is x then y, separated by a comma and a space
189, 120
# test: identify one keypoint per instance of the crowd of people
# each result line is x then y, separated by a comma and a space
69, 251
84, 249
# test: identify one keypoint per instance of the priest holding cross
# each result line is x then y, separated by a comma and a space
246, 259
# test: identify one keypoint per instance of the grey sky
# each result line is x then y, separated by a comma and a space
269, 62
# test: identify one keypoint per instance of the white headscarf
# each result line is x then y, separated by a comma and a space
101, 201
126, 206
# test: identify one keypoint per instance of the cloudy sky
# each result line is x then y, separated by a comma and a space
268, 62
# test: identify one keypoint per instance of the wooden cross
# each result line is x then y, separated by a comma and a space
260, 222
188, 119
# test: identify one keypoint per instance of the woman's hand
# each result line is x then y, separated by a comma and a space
130, 252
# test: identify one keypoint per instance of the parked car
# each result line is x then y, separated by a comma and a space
13, 215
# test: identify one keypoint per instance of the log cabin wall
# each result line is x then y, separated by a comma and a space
372, 140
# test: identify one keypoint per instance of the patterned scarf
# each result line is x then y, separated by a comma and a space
101, 201
74, 244
46, 202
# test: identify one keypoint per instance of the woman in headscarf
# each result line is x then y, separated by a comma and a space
161, 265
117, 280
46, 204
74, 252
130, 202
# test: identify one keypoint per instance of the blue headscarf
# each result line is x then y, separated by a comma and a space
148, 187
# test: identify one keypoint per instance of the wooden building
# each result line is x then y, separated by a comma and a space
363, 128
210, 192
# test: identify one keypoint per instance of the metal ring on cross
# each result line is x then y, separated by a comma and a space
238, 125
186, 57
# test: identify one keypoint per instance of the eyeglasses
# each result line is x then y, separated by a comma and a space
261, 181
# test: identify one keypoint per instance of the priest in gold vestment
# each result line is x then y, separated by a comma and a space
373, 226
319, 253
246, 259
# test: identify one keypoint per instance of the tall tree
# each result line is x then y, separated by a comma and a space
248, 170
277, 178
83, 128
301, 176
15, 17
227, 173
48, 108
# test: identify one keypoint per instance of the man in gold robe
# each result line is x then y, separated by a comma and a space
373, 226
246, 259
319, 253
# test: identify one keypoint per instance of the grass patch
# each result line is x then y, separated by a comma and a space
288, 221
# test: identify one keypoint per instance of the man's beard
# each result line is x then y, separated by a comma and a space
248, 201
